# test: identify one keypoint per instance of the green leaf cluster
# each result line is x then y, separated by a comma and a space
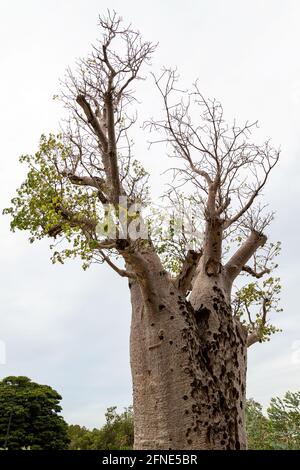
43, 197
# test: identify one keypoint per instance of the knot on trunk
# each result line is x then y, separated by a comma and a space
213, 267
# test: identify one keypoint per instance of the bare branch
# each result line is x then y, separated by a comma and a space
121, 272
270, 161
86, 224
186, 275
253, 273
92, 181
114, 176
244, 253
100, 87
93, 120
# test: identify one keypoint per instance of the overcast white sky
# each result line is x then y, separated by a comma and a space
69, 328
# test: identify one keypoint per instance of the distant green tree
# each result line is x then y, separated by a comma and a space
280, 429
117, 433
258, 427
80, 437
284, 416
29, 416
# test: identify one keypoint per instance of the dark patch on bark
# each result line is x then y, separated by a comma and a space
212, 267
202, 313
122, 244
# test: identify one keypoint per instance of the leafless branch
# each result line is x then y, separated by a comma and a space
254, 273
186, 275
244, 253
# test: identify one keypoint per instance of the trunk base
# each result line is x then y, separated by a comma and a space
189, 372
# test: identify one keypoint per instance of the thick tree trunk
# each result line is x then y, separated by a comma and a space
188, 362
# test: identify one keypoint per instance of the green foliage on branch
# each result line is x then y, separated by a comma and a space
256, 301
47, 204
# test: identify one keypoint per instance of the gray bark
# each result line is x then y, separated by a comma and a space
188, 361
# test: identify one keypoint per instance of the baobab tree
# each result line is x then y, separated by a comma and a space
191, 324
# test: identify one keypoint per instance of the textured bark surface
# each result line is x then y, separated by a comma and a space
188, 361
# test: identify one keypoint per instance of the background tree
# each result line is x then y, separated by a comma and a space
258, 427
116, 434
188, 345
279, 429
80, 437
284, 416
29, 416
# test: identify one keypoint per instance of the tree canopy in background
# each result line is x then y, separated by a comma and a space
29, 419
117, 433
29, 416
278, 429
